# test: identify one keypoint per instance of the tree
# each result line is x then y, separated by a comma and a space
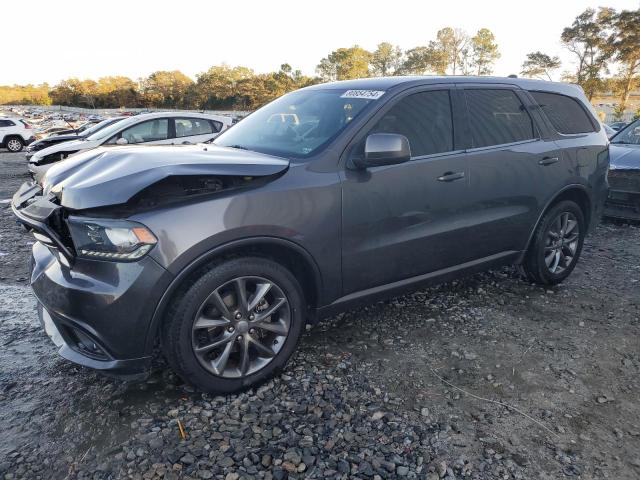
588, 39
453, 44
484, 52
344, 64
539, 65
116, 92
218, 86
166, 89
625, 41
386, 60
425, 60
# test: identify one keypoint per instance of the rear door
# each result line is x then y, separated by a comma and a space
514, 167
401, 221
189, 130
4, 127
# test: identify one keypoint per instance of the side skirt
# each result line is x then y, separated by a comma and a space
383, 292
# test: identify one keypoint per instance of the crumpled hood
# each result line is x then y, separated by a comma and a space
112, 175
624, 157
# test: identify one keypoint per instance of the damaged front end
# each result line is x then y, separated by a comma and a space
91, 264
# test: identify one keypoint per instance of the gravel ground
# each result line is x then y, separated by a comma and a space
486, 377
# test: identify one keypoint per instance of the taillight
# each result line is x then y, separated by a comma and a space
26, 125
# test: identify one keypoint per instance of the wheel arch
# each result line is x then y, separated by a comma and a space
576, 193
287, 253
11, 136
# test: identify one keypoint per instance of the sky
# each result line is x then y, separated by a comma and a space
95, 38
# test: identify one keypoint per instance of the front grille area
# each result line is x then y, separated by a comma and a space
624, 180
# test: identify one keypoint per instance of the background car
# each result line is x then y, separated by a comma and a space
624, 174
164, 128
83, 133
618, 125
610, 131
15, 133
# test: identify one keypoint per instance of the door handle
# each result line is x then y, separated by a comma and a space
548, 161
451, 176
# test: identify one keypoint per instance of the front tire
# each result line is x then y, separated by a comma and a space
235, 326
14, 144
556, 245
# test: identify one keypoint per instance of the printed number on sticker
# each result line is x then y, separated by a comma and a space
368, 94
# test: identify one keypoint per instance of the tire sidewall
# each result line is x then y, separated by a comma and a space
544, 272
178, 348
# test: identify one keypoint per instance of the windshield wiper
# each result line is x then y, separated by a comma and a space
239, 147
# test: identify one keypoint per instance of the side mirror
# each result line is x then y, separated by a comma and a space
384, 149
122, 141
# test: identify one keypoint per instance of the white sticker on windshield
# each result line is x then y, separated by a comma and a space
367, 94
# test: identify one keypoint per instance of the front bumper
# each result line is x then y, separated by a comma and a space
97, 312
623, 200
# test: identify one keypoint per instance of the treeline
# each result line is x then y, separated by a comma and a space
605, 45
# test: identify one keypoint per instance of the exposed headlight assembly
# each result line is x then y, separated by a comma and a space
118, 240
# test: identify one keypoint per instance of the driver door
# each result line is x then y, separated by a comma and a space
401, 221
150, 132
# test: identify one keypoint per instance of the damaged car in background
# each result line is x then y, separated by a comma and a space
80, 134
217, 255
624, 174
162, 128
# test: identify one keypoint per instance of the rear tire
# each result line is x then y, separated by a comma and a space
14, 144
222, 340
556, 244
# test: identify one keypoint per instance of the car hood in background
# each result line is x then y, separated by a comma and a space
112, 175
68, 146
624, 157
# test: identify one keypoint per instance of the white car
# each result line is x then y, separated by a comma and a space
164, 128
15, 134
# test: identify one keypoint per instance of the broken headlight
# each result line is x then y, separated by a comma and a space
119, 240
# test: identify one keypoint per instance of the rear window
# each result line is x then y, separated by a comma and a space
565, 113
497, 117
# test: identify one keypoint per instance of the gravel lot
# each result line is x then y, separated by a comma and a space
486, 377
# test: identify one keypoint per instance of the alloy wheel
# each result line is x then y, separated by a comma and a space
561, 243
14, 145
241, 327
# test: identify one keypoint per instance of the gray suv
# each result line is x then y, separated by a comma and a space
216, 255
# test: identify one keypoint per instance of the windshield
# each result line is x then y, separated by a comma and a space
628, 135
298, 124
99, 126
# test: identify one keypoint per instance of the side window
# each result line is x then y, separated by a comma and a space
6, 123
149, 131
565, 113
497, 117
217, 126
425, 119
187, 127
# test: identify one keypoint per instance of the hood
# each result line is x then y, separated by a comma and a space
624, 157
68, 146
57, 139
112, 175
